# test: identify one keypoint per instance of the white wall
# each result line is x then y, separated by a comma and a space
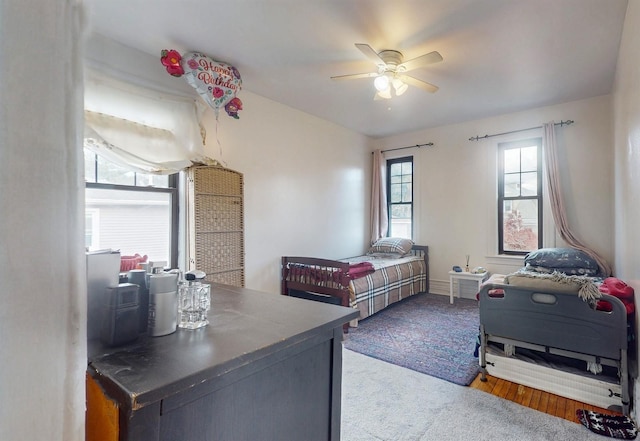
456, 187
627, 151
306, 184
626, 110
42, 280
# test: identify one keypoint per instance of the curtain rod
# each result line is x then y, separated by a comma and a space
429, 144
561, 123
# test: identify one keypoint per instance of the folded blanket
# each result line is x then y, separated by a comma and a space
585, 287
360, 269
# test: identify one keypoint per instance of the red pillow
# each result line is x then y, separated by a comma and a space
127, 263
617, 288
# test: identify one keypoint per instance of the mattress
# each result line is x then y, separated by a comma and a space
393, 280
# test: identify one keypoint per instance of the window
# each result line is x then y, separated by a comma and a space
131, 212
520, 196
400, 197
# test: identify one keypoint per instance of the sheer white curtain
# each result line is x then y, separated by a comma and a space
379, 216
142, 129
557, 202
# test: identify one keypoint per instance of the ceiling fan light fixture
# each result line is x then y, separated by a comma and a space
391, 71
381, 83
402, 89
399, 86
385, 94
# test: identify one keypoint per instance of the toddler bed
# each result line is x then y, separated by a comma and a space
392, 269
566, 331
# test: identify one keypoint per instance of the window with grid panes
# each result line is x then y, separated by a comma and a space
400, 197
520, 196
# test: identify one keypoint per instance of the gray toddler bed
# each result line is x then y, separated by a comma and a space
556, 322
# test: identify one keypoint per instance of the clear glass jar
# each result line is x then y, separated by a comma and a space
194, 301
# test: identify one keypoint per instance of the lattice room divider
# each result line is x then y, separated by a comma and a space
215, 224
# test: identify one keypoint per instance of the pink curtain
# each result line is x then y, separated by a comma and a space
557, 203
379, 217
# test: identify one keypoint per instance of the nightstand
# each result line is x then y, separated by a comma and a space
453, 275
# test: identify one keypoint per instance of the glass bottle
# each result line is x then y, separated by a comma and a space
194, 301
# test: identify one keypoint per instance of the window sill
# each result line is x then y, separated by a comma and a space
505, 260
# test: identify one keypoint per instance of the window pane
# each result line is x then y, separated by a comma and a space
406, 192
91, 237
529, 159
396, 170
400, 225
529, 184
110, 173
400, 228
144, 180
395, 179
129, 221
520, 225
396, 194
511, 160
512, 185
89, 166
401, 212
407, 168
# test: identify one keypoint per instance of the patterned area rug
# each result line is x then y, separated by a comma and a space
424, 333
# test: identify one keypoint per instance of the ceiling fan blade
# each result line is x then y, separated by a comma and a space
419, 83
370, 54
423, 60
355, 76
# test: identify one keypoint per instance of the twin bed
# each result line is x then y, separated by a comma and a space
393, 269
560, 329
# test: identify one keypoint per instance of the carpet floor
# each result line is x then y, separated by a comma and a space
385, 402
424, 333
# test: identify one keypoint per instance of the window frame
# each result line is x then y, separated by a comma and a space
173, 187
502, 147
389, 163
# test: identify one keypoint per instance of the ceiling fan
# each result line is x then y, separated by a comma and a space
391, 71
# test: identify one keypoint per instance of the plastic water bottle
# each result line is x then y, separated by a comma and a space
194, 301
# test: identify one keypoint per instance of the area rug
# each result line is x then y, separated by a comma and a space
424, 333
385, 402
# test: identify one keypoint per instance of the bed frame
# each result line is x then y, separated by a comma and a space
325, 286
558, 323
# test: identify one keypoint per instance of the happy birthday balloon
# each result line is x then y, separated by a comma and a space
215, 81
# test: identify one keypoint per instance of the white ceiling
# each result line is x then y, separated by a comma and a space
500, 56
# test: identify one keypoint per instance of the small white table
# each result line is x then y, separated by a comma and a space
453, 275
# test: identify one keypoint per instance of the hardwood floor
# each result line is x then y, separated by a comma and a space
534, 399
